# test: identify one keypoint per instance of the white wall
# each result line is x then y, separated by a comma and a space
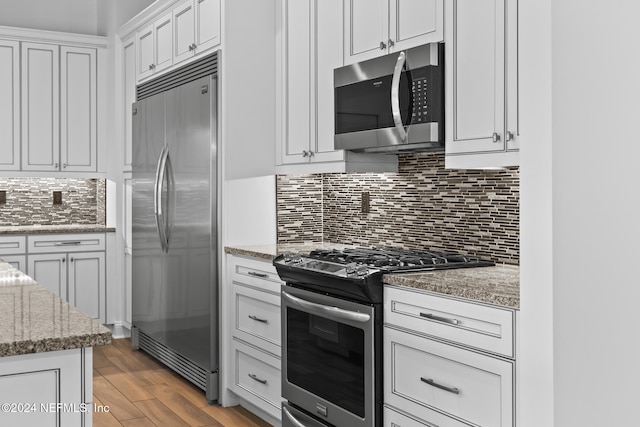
72, 16
580, 183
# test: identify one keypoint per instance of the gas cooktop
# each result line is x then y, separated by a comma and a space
357, 272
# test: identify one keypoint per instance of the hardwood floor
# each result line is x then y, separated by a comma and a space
141, 392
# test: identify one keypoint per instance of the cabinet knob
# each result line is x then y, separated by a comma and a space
311, 153
496, 137
64, 166
508, 136
383, 46
64, 260
71, 260
305, 153
151, 67
56, 165
391, 43
194, 46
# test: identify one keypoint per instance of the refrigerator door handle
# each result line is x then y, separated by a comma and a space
168, 215
157, 199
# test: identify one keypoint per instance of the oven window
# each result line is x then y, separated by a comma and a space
326, 358
366, 105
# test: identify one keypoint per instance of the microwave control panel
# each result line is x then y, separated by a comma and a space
425, 82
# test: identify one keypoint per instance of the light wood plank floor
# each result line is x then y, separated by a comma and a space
141, 392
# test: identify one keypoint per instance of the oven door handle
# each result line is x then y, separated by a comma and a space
330, 312
291, 418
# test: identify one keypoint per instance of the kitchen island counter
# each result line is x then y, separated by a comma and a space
497, 285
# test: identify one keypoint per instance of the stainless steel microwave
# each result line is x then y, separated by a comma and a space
394, 103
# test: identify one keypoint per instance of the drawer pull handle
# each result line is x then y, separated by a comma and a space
261, 275
67, 243
432, 383
440, 319
257, 319
255, 378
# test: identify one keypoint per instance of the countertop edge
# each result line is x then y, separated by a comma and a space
27, 230
46, 345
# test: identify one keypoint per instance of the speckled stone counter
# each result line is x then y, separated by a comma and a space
48, 229
34, 320
499, 285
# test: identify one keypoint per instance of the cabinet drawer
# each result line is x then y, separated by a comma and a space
255, 272
396, 419
480, 326
66, 243
433, 380
257, 318
10, 245
257, 377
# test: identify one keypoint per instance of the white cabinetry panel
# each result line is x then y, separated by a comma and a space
40, 107
9, 105
78, 115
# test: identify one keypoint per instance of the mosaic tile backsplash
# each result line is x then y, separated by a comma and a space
422, 206
29, 201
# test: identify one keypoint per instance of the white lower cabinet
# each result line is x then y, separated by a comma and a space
33, 388
13, 249
434, 377
254, 320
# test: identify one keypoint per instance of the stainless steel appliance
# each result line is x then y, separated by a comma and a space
175, 216
393, 103
332, 330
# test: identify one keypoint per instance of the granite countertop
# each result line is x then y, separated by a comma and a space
34, 320
498, 285
46, 229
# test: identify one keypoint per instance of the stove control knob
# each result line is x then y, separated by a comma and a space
296, 259
287, 257
351, 268
362, 270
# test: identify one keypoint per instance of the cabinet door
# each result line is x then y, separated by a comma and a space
328, 55
40, 107
129, 88
415, 22
184, 31
207, 24
78, 129
298, 18
163, 29
16, 261
9, 105
87, 283
50, 270
146, 58
475, 76
366, 29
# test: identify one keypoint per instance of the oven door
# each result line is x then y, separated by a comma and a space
328, 357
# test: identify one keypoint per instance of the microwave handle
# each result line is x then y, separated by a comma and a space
395, 96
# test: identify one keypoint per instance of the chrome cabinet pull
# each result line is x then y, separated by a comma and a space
395, 96
255, 378
432, 383
508, 136
75, 243
382, 46
260, 275
495, 137
440, 319
257, 319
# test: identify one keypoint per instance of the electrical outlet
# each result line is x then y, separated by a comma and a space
3, 197
366, 202
57, 197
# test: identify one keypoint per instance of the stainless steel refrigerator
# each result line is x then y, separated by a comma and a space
175, 216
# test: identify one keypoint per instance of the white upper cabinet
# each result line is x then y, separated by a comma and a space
78, 115
310, 50
374, 28
155, 43
40, 107
9, 105
196, 28
482, 79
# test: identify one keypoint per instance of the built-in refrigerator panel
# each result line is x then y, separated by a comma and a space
174, 244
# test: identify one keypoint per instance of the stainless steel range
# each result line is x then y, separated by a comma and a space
332, 330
